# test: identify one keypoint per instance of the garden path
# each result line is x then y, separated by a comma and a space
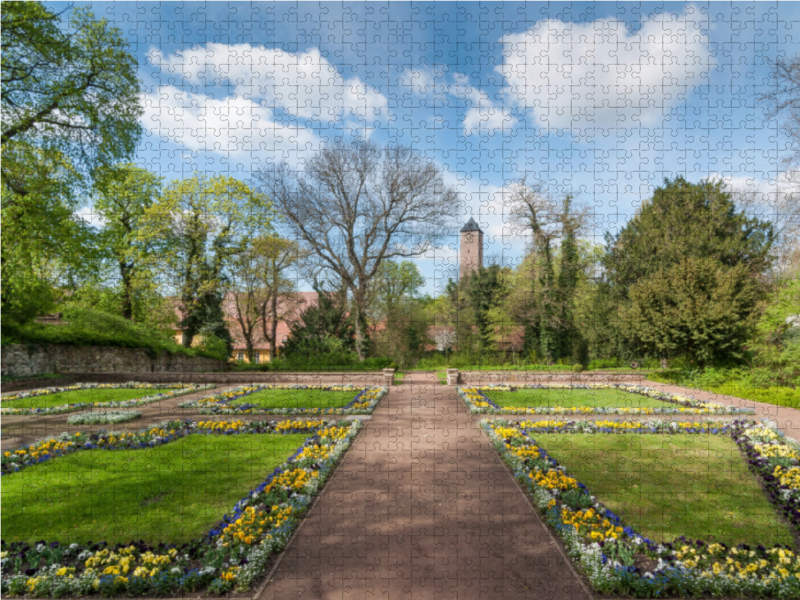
788, 419
422, 507
21, 430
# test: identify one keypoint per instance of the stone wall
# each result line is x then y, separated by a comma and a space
20, 360
548, 377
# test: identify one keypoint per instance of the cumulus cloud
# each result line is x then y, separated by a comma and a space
240, 98
483, 116
305, 84
227, 126
601, 75
421, 81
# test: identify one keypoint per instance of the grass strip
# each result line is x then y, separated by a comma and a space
308, 398
666, 486
571, 398
172, 492
89, 396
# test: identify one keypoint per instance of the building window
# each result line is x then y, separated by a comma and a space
257, 357
240, 356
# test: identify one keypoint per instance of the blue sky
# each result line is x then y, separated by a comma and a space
600, 100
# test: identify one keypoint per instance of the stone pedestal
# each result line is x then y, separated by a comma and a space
388, 377
452, 376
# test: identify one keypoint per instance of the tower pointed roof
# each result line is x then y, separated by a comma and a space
471, 226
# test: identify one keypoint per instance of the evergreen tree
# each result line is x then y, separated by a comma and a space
322, 329
686, 273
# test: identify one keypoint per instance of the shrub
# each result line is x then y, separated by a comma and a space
604, 363
577, 368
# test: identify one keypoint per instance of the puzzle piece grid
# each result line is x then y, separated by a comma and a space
601, 101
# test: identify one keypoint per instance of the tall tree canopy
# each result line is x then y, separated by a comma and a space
687, 272
686, 220
196, 227
126, 192
356, 206
70, 104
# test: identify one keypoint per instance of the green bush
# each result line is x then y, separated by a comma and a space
757, 384
88, 327
604, 363
577, 368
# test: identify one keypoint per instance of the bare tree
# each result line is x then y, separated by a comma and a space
782, 101
547, 299
247, 293
356, 206
277, 256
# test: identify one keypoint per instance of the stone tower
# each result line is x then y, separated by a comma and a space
470, 257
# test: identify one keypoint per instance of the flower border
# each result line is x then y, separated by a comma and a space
103, 417
479, 403
363, 403
602, 554
134, 570
66, 408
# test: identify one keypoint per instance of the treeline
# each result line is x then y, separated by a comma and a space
690, 279
202, 253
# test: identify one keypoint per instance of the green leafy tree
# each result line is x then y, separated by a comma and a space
777, 346
553, 266
685, 220
693, 231
483, 293
197, 226
126, 192
324, 332
276, 257
69, 106
399, 315
697, 307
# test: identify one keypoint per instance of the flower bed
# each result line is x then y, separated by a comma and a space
107, 417
777, 461
614, 557
364, 401
232, 555
479, 403
65, 408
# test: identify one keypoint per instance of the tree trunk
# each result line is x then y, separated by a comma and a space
186, 338
251, 353
127, 292
357, 297
273, 339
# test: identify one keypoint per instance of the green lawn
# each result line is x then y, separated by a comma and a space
665, 486
523, 398
171, 493
76, 396
298, 399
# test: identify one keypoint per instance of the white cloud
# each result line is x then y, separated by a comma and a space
305, 85
264, 89
229, 126
600, 75
421, 81
483, 115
